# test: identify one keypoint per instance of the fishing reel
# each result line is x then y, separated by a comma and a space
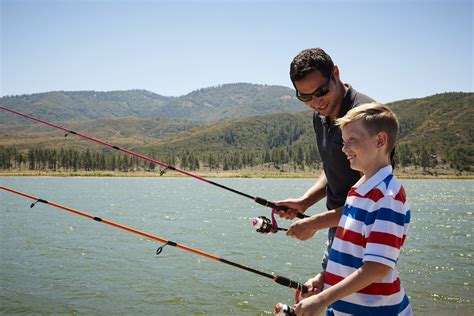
264, 225
283, 309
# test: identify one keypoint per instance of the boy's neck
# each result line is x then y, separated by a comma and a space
376, 166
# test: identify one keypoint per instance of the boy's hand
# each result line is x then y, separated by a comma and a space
302, 229
310, 306
314, 285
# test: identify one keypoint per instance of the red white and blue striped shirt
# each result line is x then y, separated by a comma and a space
373, 227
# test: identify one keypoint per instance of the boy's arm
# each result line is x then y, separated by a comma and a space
359, 279
305, 228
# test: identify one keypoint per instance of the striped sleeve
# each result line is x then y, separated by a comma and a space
387, 234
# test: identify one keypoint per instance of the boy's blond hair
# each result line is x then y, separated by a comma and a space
375, 118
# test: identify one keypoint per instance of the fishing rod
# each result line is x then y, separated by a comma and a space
300, 288
274, 226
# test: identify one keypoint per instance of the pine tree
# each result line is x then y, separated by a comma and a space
31, 159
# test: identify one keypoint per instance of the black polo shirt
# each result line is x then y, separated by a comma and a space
338, 172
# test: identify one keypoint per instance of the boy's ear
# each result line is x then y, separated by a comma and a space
382, 139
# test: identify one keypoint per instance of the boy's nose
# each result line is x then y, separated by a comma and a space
344, 147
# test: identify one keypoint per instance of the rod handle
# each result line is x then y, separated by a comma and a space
290, 283
272, 205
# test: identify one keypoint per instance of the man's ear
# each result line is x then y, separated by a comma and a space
336, 72
382, 139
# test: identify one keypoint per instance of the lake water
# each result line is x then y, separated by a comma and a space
54, 262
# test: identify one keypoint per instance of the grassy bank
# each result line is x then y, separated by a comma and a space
402, 173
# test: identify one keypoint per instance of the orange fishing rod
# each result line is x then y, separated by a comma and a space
259, 200
276, 278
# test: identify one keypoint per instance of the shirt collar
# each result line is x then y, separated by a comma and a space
373, 181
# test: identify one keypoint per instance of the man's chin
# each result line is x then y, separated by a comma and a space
326, 111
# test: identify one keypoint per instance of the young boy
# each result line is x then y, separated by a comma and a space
361, 277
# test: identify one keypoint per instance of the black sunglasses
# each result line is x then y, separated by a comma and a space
319, 92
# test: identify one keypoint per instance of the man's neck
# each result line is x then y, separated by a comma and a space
343, 88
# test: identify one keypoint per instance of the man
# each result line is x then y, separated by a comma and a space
318, 84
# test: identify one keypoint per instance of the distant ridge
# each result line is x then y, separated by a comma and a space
207, 105
435, 130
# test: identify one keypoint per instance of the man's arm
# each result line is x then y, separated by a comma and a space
305, 228
357, 280
301, 204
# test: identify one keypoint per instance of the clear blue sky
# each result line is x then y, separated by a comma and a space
390, 50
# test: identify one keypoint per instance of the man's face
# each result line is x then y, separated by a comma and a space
315, 83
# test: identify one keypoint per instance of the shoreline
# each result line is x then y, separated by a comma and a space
221, 174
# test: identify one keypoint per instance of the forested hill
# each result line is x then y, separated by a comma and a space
207, 105
435, 131
442, 124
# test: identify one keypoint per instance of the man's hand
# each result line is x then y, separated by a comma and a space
314, 285
303, 229
310, 306
295, 206
310, 197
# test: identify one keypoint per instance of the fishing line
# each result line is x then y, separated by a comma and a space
300, 288
258, 200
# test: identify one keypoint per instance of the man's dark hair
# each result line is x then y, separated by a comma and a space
309, 60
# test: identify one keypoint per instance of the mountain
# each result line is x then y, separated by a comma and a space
255, 134
434, 130
128, 132
443, 120
231, 101
85, 105
439, 127
208, 105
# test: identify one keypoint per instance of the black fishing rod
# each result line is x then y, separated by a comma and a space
258, 200
300, 288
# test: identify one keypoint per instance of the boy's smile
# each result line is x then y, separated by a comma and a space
365, 152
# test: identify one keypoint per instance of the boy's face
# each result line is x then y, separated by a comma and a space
360, 147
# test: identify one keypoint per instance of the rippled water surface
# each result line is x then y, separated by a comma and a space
55, 262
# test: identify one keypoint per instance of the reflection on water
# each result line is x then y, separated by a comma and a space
54, 262
436, 263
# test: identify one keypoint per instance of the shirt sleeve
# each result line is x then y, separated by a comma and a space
386, 235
